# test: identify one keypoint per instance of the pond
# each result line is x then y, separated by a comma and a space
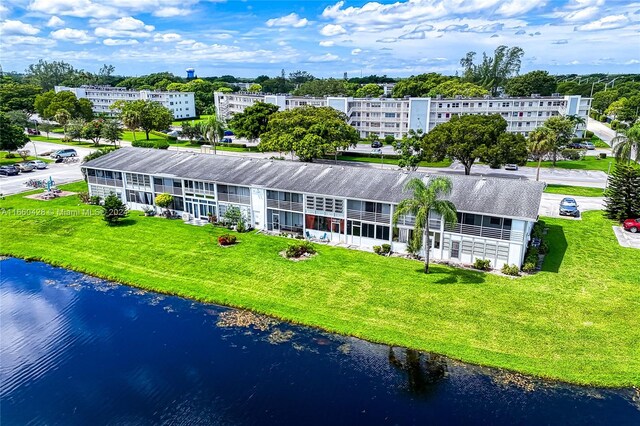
76, 350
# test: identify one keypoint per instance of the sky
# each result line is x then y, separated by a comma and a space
325, 38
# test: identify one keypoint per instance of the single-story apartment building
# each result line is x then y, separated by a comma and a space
344, 204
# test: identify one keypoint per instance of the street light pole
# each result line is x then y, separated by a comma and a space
35, 150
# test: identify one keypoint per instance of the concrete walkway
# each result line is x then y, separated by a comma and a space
627, 239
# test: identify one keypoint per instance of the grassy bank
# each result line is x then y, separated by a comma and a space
4, 161
576, 191
587, 163
377, 160
84, 144
574, 321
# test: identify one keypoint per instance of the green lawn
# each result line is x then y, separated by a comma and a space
577, 320
178, 123
444, 163
576, 191
599, 143
587, 163
4, 161
84, 144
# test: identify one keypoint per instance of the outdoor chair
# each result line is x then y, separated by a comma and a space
307, 234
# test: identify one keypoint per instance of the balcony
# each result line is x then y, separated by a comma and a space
486, 232
159, 189
369, 216
285, 205
105, 181
233, 198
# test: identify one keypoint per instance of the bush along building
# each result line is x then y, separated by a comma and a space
342, 204
181, 104
395, 117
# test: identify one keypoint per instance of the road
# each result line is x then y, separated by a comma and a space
601, 131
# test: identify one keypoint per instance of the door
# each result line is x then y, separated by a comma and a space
189, 206
356, 231
275, 218
455, 249
335, 231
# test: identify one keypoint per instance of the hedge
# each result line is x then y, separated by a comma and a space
151, 144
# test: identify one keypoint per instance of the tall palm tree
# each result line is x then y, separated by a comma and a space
540, 143
626, 147
132, 120
212, 129
426, 197
577, 121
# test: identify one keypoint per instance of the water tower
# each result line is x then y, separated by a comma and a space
191, 73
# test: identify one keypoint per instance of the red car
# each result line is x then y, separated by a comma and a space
632, 225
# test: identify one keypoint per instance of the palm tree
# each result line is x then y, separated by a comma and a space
540, 143
131, 119
212, 129
627, 145
63, 117
577, 121
426, 197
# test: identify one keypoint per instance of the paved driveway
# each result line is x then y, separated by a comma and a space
550, 205
626, 238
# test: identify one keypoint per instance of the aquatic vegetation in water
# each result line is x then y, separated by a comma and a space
345, 348
278, 336
507, 379
245, 319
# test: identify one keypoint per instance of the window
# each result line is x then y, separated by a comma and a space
139, 180
455, 249
139, 197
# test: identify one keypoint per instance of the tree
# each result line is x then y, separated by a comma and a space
455, 87
309, 132
424, 199
212, 130
190, 132
493, 72
323, 87
509, 149
630, 109
276, 85
410, 150
18, 118
75, 129
563, 129
255, 88
370, 90
145, 114
46, 127
12, 137
233, 216
541, 142
49, 74
18, 96
163, 201
113, 209
112, 131
539, 82
84, 109
93, 130
602, 100
253, 121
626, 146
616, 107
622, 196
464, 138
298, 77
63, 117
49, 103
419, 85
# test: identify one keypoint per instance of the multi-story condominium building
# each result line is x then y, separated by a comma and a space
395, 117
181, 104
343, 204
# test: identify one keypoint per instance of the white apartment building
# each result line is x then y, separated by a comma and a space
181, 104
395, 117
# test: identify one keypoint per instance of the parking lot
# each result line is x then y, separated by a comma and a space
550, 205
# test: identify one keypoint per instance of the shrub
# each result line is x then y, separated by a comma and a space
163, 144
389, 139
377, 249
538, 229
512, 270
163, 135
164, 200
532, 255
95, 200
300, 249
84, 197
588, 134
10, 155
113, 209
571, 154
227, 240
241, 226
482, 264
99, 153
544, 247
603, 118
386, 248
413, 246
529, 267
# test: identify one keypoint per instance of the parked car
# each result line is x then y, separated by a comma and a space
376, 144
228, 133
576, 145
38, 164
589, 145
64, 153
33, 131
226, 140
8, 171
569, 207
25, 166
511, 167
174, 133
631, 225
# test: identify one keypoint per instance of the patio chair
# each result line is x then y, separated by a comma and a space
307, 234
324, 237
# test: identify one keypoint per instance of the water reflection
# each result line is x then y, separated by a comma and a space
423, 371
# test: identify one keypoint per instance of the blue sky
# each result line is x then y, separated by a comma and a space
326, 38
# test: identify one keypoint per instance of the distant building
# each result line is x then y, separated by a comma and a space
395, 117
181, 104
191, 73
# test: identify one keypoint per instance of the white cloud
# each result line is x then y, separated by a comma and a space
581, 14
606, 23
55, 22
127, 27
327, 57
72, 35
119, 42
167, 37
291, 20
356, 51
168, 12
327, 43
332, 30
519, 7
76, 8
16, 40
9, 28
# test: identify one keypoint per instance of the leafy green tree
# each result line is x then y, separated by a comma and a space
370, 90
63, 117
255, 88
464, 138
98, 153
626, 146
563, 129
93, 130
253, 121
540, 143
309, 132
493, 72
323, 87
539, 82
112, 131
616, 107
75, 129
145, 114
12, 137
418, 85
602, 100
622, 196
424, 199
190, 131
509, 149
46, 127
233, 216
163, 201
16, 96
18, 118
113, 209
276, 85
84, 109
630, 109
410, 150
49, 103
455, 87
49, 74
298, 77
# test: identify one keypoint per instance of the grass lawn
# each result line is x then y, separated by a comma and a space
599, 143
576, 191
4, 161
444, 163
83, 144
577, 320
587, 163
178, 123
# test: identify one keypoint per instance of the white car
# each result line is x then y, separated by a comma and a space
38, 164
511, 167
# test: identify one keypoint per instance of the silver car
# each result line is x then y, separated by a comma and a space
38, 164
25, 167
